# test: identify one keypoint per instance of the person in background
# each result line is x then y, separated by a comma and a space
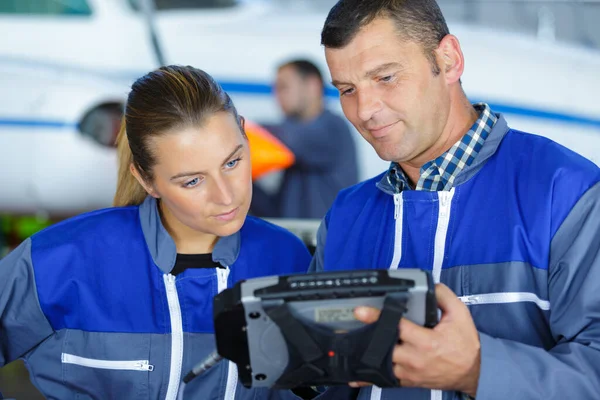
325, 153
507, 221
117, 303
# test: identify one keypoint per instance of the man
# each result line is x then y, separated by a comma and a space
321, 142
509, 222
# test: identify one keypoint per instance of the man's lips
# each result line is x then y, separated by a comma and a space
380, 131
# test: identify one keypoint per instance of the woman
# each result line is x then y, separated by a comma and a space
117, 303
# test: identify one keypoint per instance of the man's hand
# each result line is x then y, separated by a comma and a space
446, 357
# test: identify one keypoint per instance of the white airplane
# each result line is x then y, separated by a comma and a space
66, 67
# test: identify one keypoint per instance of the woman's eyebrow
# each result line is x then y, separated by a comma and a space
184, 174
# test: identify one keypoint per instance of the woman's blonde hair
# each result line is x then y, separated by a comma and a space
168, 98
129, 191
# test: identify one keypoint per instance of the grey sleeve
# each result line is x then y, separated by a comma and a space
22, 322
318, 262
571, 369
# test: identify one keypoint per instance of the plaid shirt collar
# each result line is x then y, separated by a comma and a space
439, 174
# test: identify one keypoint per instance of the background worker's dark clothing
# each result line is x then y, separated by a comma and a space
326, 162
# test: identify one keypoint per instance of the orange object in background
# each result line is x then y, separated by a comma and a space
267, 153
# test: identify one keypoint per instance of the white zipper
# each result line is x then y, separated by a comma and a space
133, 365
445, 204
375, 392
507, 297
232, 378
397, 205
176, 337
398, 217
222, 276
232, 372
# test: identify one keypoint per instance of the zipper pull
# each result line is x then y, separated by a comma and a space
222, 275
443, 203
171, 281
145, 366
396, 205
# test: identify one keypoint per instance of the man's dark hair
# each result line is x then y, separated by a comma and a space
304, 68
420, 21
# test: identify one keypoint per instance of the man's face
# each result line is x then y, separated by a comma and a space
389, 92
290, 91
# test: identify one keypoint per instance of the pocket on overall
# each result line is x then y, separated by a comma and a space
100, 365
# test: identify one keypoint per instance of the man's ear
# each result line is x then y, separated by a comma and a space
148, 188
451, 59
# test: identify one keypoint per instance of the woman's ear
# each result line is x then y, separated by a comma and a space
149, 189
242, 124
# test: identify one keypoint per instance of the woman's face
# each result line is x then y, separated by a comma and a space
203, 176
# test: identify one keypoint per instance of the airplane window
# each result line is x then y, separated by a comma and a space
102, 124
45, 7
186, 4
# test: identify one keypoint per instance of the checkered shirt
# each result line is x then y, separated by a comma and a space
439, 174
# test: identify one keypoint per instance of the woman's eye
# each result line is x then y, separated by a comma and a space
192, 183
386, 78
232, 163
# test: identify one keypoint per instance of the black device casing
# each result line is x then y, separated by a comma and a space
298, 330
